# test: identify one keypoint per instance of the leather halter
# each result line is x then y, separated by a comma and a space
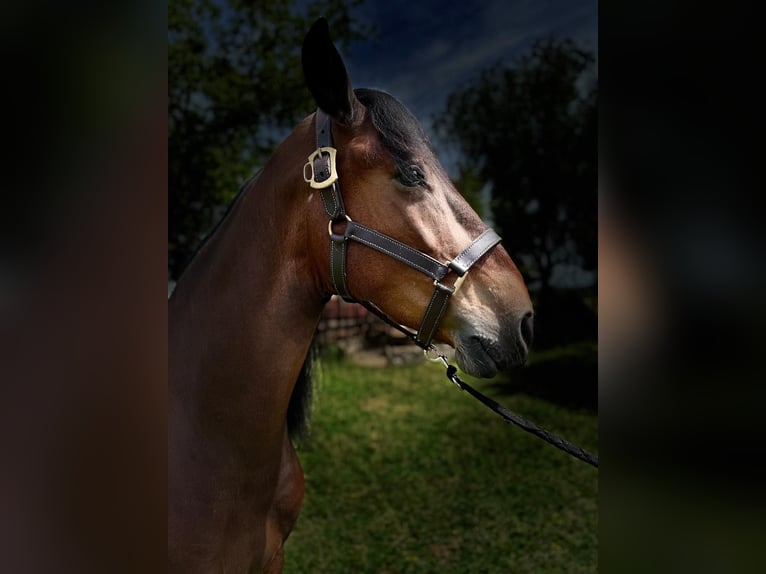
320, 173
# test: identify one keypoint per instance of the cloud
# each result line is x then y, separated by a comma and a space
427, 49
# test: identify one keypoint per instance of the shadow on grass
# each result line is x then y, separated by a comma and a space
565, 376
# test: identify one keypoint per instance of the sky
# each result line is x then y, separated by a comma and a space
425, 49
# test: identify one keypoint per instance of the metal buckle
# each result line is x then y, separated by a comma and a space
433, 354
443, 287
459, 282
460, 278
329, 177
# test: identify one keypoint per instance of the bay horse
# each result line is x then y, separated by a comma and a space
243, 315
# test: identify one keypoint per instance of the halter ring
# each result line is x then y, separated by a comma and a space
334, 221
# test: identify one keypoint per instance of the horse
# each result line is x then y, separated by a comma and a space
243, 314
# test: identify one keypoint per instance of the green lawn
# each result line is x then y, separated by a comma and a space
405, 473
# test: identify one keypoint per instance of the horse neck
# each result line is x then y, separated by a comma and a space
243, 316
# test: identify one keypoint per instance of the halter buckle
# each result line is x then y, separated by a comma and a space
322, 171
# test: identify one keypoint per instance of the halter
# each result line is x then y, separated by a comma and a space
320, 173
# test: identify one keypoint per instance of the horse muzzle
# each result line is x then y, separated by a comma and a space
482, 354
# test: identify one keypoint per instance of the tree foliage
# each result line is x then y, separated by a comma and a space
529, 131
235, 87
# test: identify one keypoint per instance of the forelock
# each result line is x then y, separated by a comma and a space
400, 132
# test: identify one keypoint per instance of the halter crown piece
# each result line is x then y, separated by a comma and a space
320, 173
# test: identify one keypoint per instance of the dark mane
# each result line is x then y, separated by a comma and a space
399, 130
299, 409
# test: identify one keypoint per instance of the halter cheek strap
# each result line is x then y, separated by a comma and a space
321, 173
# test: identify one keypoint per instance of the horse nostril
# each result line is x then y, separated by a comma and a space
527, 328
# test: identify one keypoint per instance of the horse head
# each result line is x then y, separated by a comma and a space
393, 183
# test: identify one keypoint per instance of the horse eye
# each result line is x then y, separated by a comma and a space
411, 176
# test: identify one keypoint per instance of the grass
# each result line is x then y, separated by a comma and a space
404, 473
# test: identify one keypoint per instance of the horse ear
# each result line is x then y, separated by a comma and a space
326, 75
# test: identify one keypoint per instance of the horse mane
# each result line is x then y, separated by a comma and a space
299, 409
400, 131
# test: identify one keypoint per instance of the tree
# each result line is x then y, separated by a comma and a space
529, 131
235, 87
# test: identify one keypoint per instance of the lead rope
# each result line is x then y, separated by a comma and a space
508, 416
511, 417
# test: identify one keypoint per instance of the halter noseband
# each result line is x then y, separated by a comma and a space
320, 173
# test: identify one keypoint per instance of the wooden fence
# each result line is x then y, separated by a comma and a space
348, 325
356, 332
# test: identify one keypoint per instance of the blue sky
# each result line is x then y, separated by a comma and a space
427, 48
